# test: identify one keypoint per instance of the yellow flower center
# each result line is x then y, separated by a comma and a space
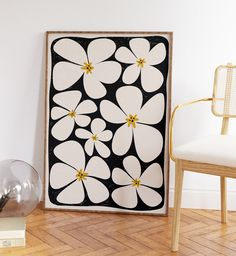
72, 114
94, 137
136, 183
140, 62
88, 67
81, 175
131, 120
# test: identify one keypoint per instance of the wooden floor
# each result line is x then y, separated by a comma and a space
90, 234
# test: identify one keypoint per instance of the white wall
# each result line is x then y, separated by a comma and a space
204, 37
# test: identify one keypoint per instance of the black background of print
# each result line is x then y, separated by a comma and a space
114, 160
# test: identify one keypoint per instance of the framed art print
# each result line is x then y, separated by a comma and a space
107, 114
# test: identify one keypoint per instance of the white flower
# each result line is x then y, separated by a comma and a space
92, 65
71, 111
96, 137
142, 59
136, 120
75, 176
134, 183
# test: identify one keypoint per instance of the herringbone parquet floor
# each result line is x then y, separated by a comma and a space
90, 234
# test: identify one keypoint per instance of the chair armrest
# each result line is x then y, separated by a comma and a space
172, 121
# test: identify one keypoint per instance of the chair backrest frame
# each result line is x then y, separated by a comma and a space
225, 100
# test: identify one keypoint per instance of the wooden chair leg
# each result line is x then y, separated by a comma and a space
177, 204
223, 190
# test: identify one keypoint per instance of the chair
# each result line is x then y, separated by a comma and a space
215, 155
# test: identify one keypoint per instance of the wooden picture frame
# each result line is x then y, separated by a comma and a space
107, 116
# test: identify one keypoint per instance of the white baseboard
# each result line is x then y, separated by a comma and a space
203, 199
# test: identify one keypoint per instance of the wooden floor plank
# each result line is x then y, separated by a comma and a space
70, 233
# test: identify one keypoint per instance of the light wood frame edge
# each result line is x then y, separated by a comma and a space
211, 169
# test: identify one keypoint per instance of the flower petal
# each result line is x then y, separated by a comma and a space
97, 192
82, 120
151, 78
71, 50
148, 142
72, 153
61, 175
125, 196
105, 135
83, 134
65, 74
100, 50
89, 147
152, 176
132, 166
149, 196
98, 125
130, 99
111, 112
94, 88
131, 74
86, 107
58, 112
140, 47
107, 72
68, 100
157, 54
123, 54
63, 128
102, 149
153, 110
97, 167
122, 140
73, 194
120, 177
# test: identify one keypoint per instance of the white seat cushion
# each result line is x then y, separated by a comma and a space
218, 149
